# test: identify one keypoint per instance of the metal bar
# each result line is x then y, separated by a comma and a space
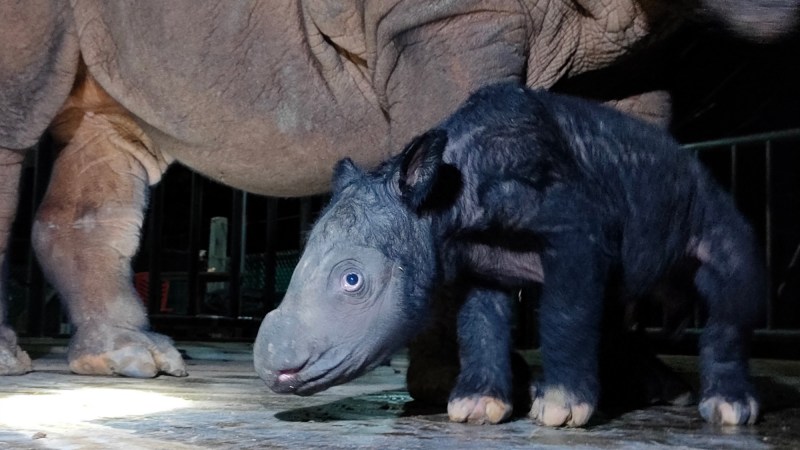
768, 229
155, 223
42, 167
195, 225
305, 220
734, 173
751, 139
238, 239
270, 257
767, 140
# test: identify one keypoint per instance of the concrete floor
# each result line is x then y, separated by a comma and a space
223, 404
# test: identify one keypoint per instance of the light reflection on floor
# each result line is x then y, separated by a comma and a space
82, 405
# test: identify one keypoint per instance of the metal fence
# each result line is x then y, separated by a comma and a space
762, 172
266, 235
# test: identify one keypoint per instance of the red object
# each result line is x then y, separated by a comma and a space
141, 281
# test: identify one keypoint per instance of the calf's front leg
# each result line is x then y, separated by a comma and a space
85, 234
569, 325
483, 391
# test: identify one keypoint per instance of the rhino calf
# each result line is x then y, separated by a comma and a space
518, 187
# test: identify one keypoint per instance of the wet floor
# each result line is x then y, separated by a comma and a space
223, 404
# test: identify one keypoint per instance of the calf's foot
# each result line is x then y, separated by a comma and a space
482, 395
484, 389
726, 411
102, 349
479, 409
555, 406
728, 396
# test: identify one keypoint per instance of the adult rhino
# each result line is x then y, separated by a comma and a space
263, 96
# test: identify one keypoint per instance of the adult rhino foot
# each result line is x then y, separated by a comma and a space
479, 409
111, 350
721, 411
555, 406
13, 360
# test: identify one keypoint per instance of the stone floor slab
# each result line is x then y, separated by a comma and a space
223, 404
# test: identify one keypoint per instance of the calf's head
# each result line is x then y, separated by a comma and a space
360, 290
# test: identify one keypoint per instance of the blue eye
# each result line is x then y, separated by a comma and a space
351, 282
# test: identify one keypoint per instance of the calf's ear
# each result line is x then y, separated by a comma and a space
419, 168
344, 173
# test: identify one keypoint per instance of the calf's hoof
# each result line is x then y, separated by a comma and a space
555, 406
720, 411
13, 360
478, 410
110, 350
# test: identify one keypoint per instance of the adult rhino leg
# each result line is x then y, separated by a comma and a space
85, 234
13, 361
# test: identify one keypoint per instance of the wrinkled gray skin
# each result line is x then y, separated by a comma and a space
264, 97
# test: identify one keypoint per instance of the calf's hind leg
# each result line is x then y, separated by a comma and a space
85, 234
731, 281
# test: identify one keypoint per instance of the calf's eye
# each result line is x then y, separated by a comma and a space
351, 282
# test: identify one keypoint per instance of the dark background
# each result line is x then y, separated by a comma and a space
721, 85
724, 86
